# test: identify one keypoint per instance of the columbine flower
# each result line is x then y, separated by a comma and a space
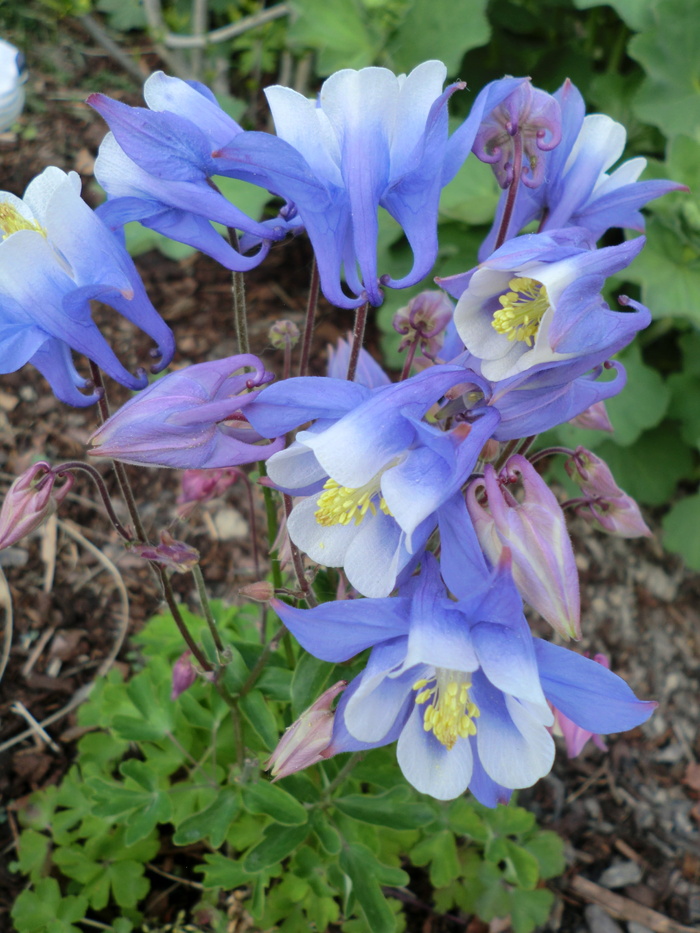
190, 419
157, 163
578, 191
536, 301
373, 473
55, 256
575, 736
462, 686
306, 740
524, 125
30, 500
534, 530
13, 75
370, 139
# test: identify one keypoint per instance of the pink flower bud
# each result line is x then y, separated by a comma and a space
199, 486
575, 736
184, 675
594, 418
610, 508
29, 501
283, 334
261, 591
544, 568
306, 739
422, 320
592, 474
176, 555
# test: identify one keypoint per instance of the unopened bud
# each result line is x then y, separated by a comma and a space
423, 320
30, 500
184, 675
283, 334
306, 739
176, 555
594, 418
198, 486
262, 591
592, 474
617, 516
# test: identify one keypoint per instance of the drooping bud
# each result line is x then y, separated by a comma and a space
283, 334
531, 115
544, 568
30, 500
423, 321
261, 591
609, 508
173, 554
190, 419
198, 486
184, 675
575, 736
592, 474
306, 739
594, 418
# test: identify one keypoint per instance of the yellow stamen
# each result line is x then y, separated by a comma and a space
521, 310
339, 505
451, 713
11, 221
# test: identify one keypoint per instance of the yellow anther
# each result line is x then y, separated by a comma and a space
451, 713
11, 221
339, 505
522, 310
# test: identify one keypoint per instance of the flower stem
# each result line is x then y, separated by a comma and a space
408, 362
304, 584
512, 191
179, 621
259, 665
206, 608
342, 774
549, 451
358, 336
72, 465
240, 321
310, 320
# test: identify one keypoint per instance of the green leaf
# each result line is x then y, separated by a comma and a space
389, 809
248, 198
522, 868
140, 240
337, 29
274, 802
463, 818
327, 835
670, 96
681, 530
222, 872
123, 14
32, 853
277, 843
643, 402
309, 679
440, 850
668, 270
146, 808
685, 392
548, 849
472, 195
257, 712
213, 822
428, 31
366, 888
637, 14
509, 820
43, 909
530, 909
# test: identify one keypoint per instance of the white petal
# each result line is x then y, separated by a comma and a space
304, 125
429, 766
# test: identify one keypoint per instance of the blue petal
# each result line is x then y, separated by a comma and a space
507, 658
428, 765
462, 560
380, 699
486, 791
342, 741
286, 405
587, 693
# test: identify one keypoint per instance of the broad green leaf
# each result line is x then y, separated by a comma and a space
522, 868
530, 909
472, 195
637, 14
366, 888
389, 809
123, 14
649, 470
681, 530
222, 872
668, 51
32, 852
42, 908
338, 30
641, 404
246, 197
140, 240
493, 900
308, 682
668, 271
438, 849
684, 407
463, 818
272, 801
213, 822
509, 820
255, 708
145, 808
277, 843
327, 835
441, 29
548, 849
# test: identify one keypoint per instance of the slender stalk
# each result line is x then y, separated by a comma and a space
549, 451
259, 665
507, 451
358, 337
271, 515
310, 319
342, 774
527, 444
304, 584
179, 621
96, 477
512, 191
408, 362
240, 320
253, 529
206, 608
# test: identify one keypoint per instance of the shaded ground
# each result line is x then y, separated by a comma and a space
629, 817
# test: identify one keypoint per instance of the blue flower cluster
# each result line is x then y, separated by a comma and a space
415, 489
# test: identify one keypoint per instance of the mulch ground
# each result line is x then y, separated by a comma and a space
629, 817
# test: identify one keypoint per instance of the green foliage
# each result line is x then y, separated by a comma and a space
304, 853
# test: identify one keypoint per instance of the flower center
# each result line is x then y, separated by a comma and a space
450, 714
11, 221
340, 505
521, 310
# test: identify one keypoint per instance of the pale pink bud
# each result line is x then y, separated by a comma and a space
184, 675
544, 567
618, 516
283, 334
594, 418
422, 320
198, 486
592, 474
30, 500
261, 591
575, 736
306, 739
176, 555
